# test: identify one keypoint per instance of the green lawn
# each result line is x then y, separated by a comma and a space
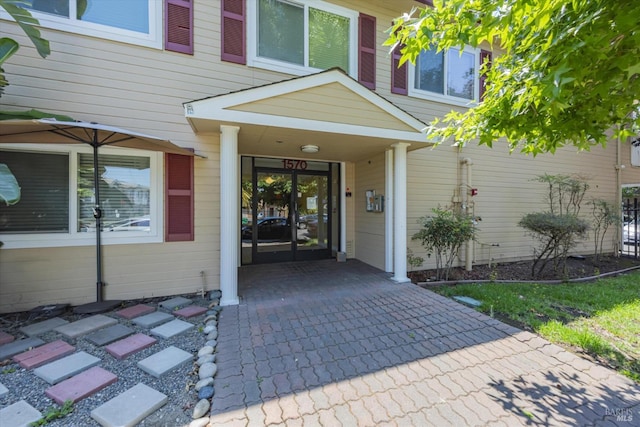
599, 318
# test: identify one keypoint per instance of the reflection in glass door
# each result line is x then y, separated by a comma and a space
313, 219
288, 213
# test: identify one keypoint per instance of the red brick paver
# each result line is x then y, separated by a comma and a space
130, 345
135, 311
191, 311
81, 385
6, 338
44, 354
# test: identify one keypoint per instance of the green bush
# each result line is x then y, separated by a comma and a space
444, 233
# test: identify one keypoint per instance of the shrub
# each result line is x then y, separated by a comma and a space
444, 233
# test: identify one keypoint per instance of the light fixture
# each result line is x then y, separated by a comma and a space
309, 148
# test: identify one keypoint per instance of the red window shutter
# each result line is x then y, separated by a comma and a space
178, 198
485, 57
178, 26
367, 50
399, 75
233, 31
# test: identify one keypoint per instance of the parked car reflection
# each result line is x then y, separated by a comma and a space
130, 224
269, 228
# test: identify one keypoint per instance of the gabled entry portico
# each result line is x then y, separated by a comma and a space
330, 111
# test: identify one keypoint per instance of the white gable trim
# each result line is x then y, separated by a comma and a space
217, 108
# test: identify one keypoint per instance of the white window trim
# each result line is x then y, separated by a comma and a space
76, 238
253, 60
72, 25
448, 99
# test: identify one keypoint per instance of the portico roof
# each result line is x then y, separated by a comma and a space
329, 109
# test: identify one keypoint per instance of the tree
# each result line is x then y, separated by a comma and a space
8, 46
563, 72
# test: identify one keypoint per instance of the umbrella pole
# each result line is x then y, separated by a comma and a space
97, 214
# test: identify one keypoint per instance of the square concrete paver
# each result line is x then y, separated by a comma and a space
170, 329
7, 351
82, 385
108, 335
19, 414
135, 311
3, 390
173, 303
129, 408
66, 367
153, 319
164, 361
85, 326
130, 345
43, 327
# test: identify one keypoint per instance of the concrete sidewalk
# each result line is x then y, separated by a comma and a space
326, 343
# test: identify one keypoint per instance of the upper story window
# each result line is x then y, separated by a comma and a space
302, 36
130, 21
450, 77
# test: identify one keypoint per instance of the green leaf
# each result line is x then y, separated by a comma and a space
28, 24
9, 188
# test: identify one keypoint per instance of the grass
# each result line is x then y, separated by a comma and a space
599, 318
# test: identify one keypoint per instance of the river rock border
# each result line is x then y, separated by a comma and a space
206, 363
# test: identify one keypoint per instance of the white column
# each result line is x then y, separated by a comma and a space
229, 214
343, 207
400, 212
388, 212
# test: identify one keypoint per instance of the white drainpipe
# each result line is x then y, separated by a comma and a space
468, 255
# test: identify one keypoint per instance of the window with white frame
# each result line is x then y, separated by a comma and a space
129, 21
58, 197
302, 36
450, 76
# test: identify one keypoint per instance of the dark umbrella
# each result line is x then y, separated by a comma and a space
93, 134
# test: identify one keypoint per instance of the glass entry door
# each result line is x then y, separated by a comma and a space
286, 214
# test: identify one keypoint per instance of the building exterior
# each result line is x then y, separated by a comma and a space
308, 139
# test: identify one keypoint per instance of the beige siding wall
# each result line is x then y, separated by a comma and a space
369, 227
350, 184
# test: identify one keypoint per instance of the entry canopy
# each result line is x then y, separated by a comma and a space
330, 110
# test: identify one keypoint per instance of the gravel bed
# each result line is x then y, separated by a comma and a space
177, 384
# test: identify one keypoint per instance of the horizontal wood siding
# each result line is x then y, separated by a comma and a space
369, 227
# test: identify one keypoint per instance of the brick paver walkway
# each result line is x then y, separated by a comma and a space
326, 343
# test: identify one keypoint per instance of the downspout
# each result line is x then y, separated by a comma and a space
619, 167
468, 254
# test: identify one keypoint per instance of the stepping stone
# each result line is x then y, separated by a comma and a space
129, 408
191, 311
128, 346
173, 303
43, 327
108, 335
43, 354
85, 326
7, 351
81, 386
66, 367
164, 361
19, 414
5, 338
153, 319
3, 390
170, 329
135, 311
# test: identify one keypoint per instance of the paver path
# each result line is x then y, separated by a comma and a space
328, 343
